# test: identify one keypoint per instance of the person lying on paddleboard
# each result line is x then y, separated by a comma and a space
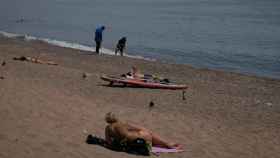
119, 132
136, 74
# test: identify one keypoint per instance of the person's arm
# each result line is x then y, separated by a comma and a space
127, 132
135, 127
108, 137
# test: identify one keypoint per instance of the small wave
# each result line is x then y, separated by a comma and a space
66, 44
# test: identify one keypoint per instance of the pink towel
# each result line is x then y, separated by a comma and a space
158, 150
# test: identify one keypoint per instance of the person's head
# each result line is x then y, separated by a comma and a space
103, 27
111, 118
124, 38
135, 70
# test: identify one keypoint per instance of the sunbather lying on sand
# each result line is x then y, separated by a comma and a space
34, 60
117, 131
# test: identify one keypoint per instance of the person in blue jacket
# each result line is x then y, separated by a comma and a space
98, 37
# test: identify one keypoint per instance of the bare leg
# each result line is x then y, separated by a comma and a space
151, 137
132, 135
121, 51
160, 142
116, 51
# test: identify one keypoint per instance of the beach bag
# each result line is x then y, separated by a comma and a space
139, 146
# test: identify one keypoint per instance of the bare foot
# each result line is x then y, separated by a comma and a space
176, 146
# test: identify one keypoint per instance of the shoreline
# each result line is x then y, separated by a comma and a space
48, 110
65, 44
106, 51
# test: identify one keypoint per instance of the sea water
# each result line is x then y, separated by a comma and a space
232, 35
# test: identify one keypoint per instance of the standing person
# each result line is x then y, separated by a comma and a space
120, 46
98, 37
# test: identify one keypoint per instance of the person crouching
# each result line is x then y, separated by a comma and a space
120, 46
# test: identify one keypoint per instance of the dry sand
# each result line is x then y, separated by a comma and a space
47, 111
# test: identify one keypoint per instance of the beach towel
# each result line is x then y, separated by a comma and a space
158, 150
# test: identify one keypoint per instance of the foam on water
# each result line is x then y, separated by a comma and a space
66, 44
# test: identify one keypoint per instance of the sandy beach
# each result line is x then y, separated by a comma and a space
47, 111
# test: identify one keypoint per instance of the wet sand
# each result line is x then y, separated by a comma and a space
47, 111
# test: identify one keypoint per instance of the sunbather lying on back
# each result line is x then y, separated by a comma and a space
121, 132
34, 60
